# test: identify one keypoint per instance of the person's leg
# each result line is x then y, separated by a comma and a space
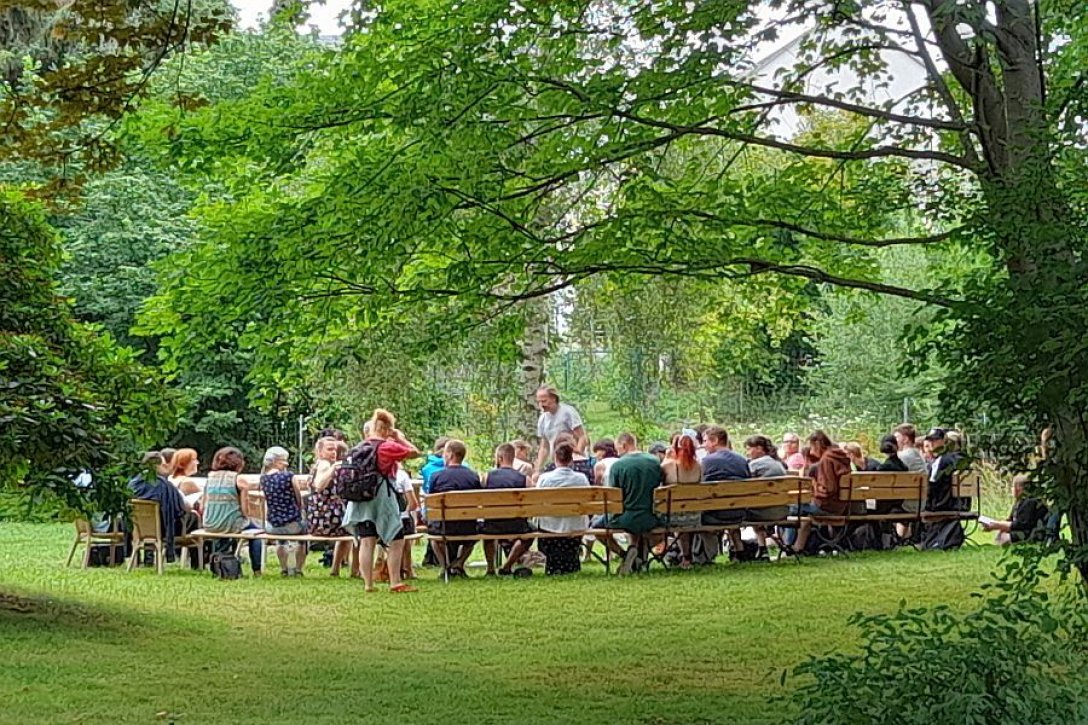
407, 570
802, 536
394, 555
463, 555
685, 550
340, 553
489, 554
516, 552
366, 561
356, 561
281, 554
442, 556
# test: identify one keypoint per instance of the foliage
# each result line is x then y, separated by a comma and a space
70, 70
72, 399
1017, 657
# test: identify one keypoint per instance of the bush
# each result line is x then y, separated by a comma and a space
1018, 657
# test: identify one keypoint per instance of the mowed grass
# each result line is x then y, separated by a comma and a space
665, 647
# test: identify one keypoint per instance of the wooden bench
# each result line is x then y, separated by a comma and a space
965, 485
740, 495
523, 503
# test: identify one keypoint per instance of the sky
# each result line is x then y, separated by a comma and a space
323, 15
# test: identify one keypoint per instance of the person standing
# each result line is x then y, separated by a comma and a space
555, 419
379, 520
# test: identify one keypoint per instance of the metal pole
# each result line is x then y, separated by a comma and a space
300, 441
906, 410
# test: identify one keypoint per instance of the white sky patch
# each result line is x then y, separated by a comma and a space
323, 15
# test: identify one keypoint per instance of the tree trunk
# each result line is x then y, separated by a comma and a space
532, 355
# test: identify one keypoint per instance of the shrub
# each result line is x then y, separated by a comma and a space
1018, 657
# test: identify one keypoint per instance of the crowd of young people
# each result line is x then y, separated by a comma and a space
564, 458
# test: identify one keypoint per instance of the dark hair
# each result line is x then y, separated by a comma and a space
564, 454
627, 439
152, 457
607, 446
332, 433
168, 454
758, 441
820, 438
228, 459
889, 446
456, 449
700, 431
717, 433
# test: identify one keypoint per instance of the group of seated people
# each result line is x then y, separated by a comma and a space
693, 455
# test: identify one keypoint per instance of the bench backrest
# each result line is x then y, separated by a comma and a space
966, 484
521, 503
884, 486
145, 519
726, 495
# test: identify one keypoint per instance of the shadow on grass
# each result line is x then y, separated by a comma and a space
21, 612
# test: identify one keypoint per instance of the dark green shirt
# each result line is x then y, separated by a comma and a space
637, 475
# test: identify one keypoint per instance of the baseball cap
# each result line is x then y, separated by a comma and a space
936, 434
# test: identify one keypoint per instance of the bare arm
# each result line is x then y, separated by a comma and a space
542, 455
323, 475
581, 440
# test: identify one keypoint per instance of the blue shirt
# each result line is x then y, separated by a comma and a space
725, 465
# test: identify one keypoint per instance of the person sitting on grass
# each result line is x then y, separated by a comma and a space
832, 464
454, 476
637, 474
283, 502
222, 504
561, 553
176, 516
1026, 522
505, 476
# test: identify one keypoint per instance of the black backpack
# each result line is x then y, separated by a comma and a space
226, 566
358, 478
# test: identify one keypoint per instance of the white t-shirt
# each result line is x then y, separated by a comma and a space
564, 420
561, 478
403, 484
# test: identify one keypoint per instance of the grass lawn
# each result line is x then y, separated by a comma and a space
665, 647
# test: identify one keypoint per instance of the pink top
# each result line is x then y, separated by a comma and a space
796, 462
390, 453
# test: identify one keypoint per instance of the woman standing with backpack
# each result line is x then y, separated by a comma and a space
379, 518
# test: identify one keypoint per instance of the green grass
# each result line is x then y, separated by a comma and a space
665, 647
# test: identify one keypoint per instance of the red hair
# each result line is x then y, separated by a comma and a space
685, 451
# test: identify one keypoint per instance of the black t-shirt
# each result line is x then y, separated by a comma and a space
455, 478
892, 464
725, 465
505, 478
1028, 517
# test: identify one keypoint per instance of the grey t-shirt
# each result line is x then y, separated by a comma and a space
913, 460
564, 420
766, 467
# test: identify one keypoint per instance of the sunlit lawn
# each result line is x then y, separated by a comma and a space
668, 647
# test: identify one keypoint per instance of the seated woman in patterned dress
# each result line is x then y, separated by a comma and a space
283, 506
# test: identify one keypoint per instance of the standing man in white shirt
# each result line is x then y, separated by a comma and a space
556, 418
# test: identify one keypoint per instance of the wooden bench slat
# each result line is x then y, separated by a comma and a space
523, 496
524, 511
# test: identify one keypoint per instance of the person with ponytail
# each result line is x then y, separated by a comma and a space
379, 520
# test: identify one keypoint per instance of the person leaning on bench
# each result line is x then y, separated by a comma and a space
454, 476
637, 474
505, 476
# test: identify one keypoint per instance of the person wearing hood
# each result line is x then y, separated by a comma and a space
435, 462
831, 465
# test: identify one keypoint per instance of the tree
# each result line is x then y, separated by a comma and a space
413, 166
72, 399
